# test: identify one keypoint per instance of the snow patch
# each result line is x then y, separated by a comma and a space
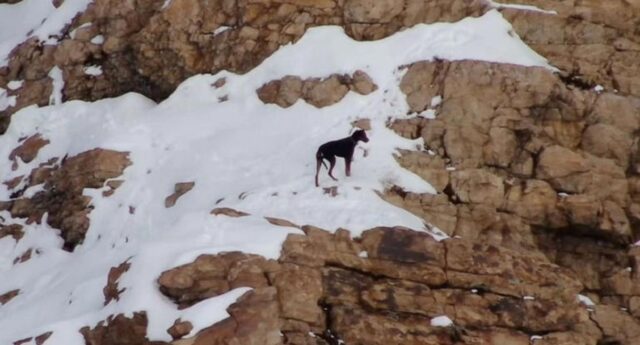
6, 101
94, 70
99, 39
441, 321
15, 84
58, 85
220, 30
586, 301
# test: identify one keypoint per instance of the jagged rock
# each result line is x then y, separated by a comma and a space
616, 325
62, 196
111, 290
385, 287
253, 321
325, 92
179, 190
362, 84
212, 275
119, 330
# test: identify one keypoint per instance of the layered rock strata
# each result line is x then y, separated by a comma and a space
385, 287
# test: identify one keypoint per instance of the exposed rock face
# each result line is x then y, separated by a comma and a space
524, 161
145, 48
62, 197
384, 288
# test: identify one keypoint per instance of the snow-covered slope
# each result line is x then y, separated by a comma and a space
253, 157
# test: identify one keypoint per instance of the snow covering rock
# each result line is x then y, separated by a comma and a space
527, 166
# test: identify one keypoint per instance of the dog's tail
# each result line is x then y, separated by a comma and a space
320, 158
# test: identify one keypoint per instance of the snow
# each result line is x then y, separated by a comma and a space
598, 88
441, 321
221, 29
256, 158
586, 301
520, 7
15, 84
99, 39
6, 101
528, 298
93, 70
34, 18
363, 254
58, 85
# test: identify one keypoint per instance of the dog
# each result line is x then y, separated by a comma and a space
339, 148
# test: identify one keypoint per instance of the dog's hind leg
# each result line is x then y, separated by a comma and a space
332, 164
318, 165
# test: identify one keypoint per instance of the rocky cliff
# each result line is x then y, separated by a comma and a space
536, 175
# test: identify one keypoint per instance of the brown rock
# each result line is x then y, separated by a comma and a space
362, 83
28, 150
281, 222
325, 92
228, 212
180, 189
14, 230
180, 329
213, 275
111, 290
369, 11
8, 296
119, 329
62, 196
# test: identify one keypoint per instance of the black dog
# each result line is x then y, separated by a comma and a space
342, 148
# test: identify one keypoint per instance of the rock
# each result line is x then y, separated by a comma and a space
62, 196
180, 329
180, 189
478, 186
111, 290
213, 275
559, 166
617, 325
315, 91
14, 230
253, 321
119, 329
362, 83
370, 11
28, 150
229, 212
281, 222
8, 296
324, 284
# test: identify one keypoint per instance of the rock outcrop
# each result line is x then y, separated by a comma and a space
383, 288
317, 92
522, 160
61, 195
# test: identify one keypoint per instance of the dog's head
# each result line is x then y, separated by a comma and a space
360, 135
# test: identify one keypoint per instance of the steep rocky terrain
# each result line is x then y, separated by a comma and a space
535, 174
